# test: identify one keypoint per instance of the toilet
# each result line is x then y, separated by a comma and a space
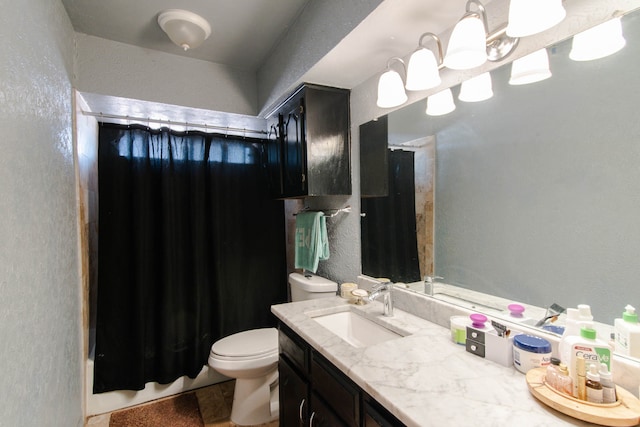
251, 357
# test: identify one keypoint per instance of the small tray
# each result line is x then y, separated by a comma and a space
624, 412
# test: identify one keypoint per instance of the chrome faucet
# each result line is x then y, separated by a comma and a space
383, 289
429, 281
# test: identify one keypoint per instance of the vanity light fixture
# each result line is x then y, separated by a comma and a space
527, 17
597, 42
391, 87
422, 71
476, 89
530, 68
470, 44
440, 103
184, 28
467, 44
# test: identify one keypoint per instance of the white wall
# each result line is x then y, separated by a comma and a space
39, 281
111, 68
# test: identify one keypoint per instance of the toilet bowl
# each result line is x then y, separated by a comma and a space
251, 357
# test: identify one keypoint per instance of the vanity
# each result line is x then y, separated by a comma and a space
419, 377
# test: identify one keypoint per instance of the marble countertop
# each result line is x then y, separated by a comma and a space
424, 378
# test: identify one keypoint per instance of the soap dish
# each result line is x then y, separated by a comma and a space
624, 412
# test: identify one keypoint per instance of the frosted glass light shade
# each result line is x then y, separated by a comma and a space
531, 68
440, 103
184, 28
422, 71
528, 17
476, 89
468, 44
597, 42
391, 90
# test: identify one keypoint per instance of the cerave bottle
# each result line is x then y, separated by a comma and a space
588, 347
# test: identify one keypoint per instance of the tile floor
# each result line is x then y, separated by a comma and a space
215, 407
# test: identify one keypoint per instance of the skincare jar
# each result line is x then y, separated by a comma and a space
459, 329
530, 352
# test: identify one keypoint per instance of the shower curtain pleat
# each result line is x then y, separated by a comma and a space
191, 249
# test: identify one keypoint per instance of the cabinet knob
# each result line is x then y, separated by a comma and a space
311, 419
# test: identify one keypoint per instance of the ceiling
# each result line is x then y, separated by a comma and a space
244, 32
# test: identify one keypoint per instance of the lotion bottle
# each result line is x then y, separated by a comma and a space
627, 332
608, 387
588, 348
577, 318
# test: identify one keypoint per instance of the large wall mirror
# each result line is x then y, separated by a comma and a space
536, 191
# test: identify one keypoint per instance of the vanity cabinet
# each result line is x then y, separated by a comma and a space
308, 147
313, 392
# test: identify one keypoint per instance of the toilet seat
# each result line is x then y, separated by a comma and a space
247, 345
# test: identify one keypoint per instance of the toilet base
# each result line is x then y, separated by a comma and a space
255, 400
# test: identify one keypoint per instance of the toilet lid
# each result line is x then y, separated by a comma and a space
254, 342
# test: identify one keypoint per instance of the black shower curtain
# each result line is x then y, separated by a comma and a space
191, 249
389, 242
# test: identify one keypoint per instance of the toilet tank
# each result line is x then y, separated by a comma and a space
310, 286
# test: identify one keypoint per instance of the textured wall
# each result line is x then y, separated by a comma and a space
39, 280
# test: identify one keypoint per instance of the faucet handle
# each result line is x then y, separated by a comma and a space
383, 284
431, 279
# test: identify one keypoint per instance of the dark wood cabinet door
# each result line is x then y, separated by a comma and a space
294, 397
294, 149
274, 157
322, 415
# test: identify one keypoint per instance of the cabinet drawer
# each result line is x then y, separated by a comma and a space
336, 389
293, 348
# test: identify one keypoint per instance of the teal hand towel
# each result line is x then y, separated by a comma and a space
312, 244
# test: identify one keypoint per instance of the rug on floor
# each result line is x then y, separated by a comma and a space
178, 411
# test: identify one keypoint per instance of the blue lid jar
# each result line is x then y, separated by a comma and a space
532, 343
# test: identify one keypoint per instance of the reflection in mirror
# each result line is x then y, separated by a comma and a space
397, 222
537, 189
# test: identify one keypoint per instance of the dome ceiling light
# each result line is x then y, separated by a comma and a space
184, 28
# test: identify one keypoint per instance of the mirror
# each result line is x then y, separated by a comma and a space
537, 190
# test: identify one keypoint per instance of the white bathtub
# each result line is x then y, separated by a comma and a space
113, 400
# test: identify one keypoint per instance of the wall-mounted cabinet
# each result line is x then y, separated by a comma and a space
308, 148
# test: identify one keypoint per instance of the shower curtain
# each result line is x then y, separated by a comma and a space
389, 242
191, 249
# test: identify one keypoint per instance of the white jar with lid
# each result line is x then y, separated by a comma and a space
530, 352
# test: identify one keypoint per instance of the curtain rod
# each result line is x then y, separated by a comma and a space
173, 122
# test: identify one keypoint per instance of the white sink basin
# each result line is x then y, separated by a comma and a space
356, 329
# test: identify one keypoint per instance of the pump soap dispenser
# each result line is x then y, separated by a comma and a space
628, 333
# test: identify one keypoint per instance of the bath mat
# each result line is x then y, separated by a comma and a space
179, 411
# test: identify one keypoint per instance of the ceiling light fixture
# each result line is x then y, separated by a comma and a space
531, 68
528, 17
471, 45
476, 89
184, 28
422, 71
391, 87
440, 103
597, 42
